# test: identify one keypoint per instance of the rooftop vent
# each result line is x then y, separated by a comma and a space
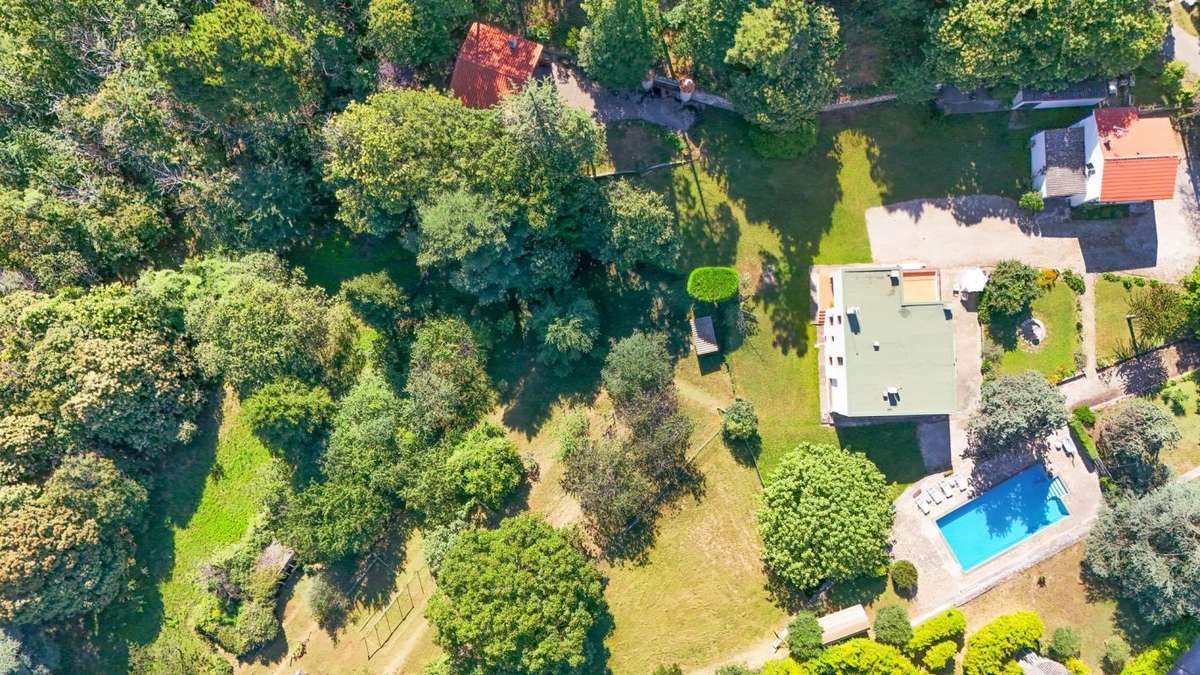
893, 391
876, 345
853, 310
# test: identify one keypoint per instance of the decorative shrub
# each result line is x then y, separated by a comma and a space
786, 666
712, 284
861, 655
1064, 644
1116, 654
1032, 201
904, 577
1084, 439
1010, 289
948, 626
1047, 278
739, 423
1074, 281
1085, 415
1160, 656
994, 647
892, 626
804, 636
1077, 667
939, 656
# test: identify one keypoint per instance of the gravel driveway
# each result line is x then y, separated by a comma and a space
980, 230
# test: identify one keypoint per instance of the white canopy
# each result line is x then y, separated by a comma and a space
972, 280
843, 624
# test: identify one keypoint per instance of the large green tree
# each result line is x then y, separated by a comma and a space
1013, 410
826, 514
65, 552
415, 32
784, 59
1130, 442
1145, 552
522, 598
467, 235
620, 41
638, 228
447, 387
1043, 43
233, 63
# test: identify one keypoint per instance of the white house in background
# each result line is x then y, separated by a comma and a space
1112, 156
1082, 94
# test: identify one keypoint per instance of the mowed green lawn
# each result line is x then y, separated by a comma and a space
207, 496
1115, 337
1058, 309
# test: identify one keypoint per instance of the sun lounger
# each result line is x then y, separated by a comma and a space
923, 502
947, 487
960, 482
937, 495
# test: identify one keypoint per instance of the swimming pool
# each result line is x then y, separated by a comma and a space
1000, 518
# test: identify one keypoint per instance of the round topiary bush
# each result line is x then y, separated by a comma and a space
712, 284
804, 637
1064, 644
1032, 201
904, 577
739, 423
892, 626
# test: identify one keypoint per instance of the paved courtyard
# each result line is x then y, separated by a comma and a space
1159, 241
944, 584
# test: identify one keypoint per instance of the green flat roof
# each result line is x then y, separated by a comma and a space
915, 354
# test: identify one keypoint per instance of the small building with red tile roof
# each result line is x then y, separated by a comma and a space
1113, 156
492, 62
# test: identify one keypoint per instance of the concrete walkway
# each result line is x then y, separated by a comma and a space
1186, 48
608, 106
1134, 376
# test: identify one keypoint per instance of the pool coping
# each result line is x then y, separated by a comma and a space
954, 554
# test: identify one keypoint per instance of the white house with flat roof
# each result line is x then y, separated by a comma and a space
888, 348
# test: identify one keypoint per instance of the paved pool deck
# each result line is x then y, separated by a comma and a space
916, 537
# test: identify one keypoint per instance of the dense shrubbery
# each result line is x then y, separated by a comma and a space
861, 656
904, 577
1131, 440
804, 636
738, 422
949, 626
1064, 644
239, 612
892, 626
712, 284
1010, 289
1164, 651
994, 647
939, 656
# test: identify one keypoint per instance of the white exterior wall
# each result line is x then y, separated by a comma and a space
834, 349
1095, 156
1037, 155
1069, 103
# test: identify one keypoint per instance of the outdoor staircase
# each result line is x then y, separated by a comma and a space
1058, 489
820, 320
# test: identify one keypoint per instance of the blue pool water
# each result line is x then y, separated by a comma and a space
1001, 517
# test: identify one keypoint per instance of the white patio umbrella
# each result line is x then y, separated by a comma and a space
972, 280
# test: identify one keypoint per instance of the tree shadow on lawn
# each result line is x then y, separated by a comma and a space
137, 618
894, 448
652, 301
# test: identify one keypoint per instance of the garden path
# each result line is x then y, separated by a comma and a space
1134, 376
608, 106
1087, 317
1186, 48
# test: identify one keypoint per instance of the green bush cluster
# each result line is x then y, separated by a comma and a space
904, 577
712, 284
939, 656
993, 648
1064, 644
1085, 415
804, 636
892, 626
1116, 654
1073, 281
949, 626
739, 422
1084, 439
1032, 201
1162, 654
238, 612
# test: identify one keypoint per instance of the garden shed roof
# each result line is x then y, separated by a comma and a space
704, 336
843, 624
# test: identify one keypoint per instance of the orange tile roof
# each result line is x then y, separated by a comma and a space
491, 63
1141, 156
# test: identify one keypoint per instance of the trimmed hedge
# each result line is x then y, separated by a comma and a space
992, 649
948, 626
861, 655
939, 656
1084, 439
712, 284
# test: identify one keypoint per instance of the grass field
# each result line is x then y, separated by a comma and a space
207, 497
1063, 600
1186, 456
1115, 339
1055, 356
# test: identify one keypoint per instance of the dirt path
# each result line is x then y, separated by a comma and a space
1087, 316
698, 395
753, 657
